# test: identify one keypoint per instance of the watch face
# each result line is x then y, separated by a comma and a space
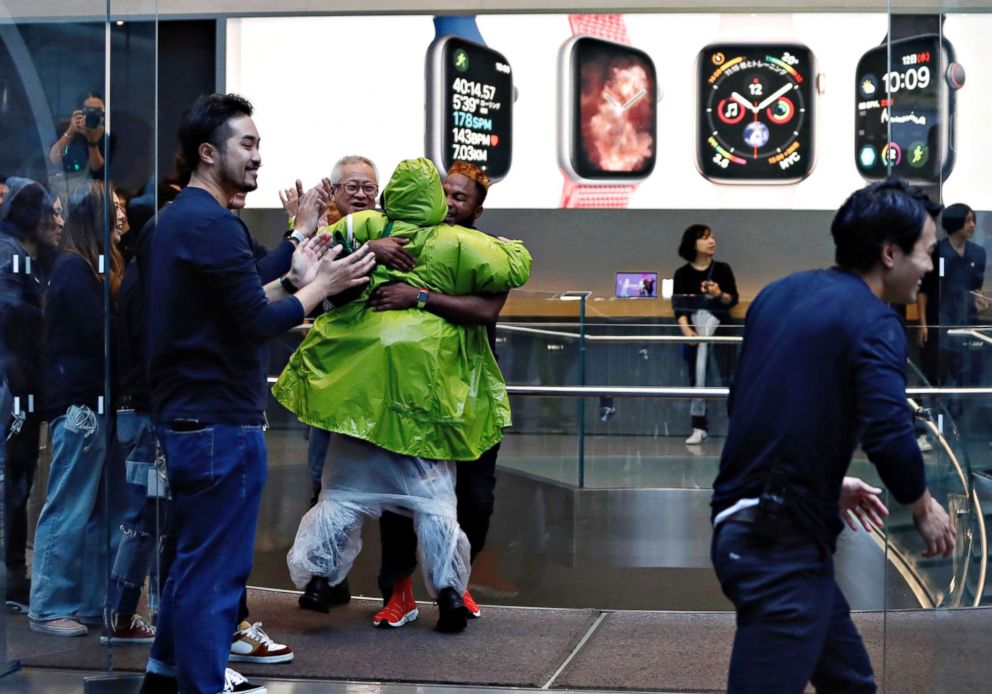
756, 105
608, 104
901, 121
469, 106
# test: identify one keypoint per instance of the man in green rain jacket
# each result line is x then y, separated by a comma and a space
405, 392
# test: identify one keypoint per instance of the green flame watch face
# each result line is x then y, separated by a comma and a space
756, 108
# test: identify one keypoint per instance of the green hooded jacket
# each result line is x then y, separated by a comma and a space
410, 381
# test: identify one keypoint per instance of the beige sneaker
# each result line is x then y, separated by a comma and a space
59, 627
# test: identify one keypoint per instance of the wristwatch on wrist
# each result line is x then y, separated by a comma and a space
287, 285
607, 112
422, 296
469, 100
298, 235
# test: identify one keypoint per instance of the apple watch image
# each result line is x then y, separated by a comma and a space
904, 109
469, 101
756, 109
607, 111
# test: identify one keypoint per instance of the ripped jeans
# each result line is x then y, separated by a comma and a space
146, 516
69, 571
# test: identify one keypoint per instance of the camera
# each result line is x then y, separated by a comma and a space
93, 115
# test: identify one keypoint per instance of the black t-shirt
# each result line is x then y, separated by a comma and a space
688, 293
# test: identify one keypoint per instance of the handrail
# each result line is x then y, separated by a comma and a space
708, 392
976, 510
970, 331
619, 338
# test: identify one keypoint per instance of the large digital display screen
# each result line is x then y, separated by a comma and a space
377, 106
470, 109
907, 98
614, 115
756, 112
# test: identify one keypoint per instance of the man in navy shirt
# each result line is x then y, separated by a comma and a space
208, 318
822, 368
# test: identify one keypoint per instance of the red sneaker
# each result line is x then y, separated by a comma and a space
401, 608
471, 605
128, 629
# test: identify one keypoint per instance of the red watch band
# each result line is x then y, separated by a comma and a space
583, 195
603, 26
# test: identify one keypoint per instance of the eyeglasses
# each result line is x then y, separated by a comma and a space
352, 188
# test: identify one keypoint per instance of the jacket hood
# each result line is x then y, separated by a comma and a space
414, 194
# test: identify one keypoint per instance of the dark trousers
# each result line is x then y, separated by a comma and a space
793, 624
475, 489
216, 475
20, 466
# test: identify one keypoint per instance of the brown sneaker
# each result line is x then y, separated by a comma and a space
252, 645
127, 629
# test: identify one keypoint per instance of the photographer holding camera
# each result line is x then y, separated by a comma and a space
81, 146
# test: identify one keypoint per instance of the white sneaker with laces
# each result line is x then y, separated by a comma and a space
236, 682
252, 645
696, 437
924, 443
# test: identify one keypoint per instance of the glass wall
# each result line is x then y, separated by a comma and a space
618, 365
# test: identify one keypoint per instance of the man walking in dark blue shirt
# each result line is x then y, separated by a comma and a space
822, 369
208, 318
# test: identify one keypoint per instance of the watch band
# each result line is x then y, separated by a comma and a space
298, 235
422, 296
463, 26
903, 26
603, 26
584, 196
610, 27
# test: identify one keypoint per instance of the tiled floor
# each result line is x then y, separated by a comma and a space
33, 681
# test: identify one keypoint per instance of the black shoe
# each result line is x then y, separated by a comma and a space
18, 595
320, 596
234, 681
159, 684
454, 614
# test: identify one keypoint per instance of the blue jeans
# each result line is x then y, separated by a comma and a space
793, 624
216, 474
145, 520
69, 572
316, 455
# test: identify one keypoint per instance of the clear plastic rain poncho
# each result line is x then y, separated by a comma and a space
361, 481
422, 391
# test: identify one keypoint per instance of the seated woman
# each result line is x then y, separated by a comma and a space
405, 392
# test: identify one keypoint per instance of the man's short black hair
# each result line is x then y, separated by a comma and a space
890, 211
954, 217
208, 120
694, 232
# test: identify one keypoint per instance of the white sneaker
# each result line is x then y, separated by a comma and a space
252, 645
924, 443
236, 682
696, 437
